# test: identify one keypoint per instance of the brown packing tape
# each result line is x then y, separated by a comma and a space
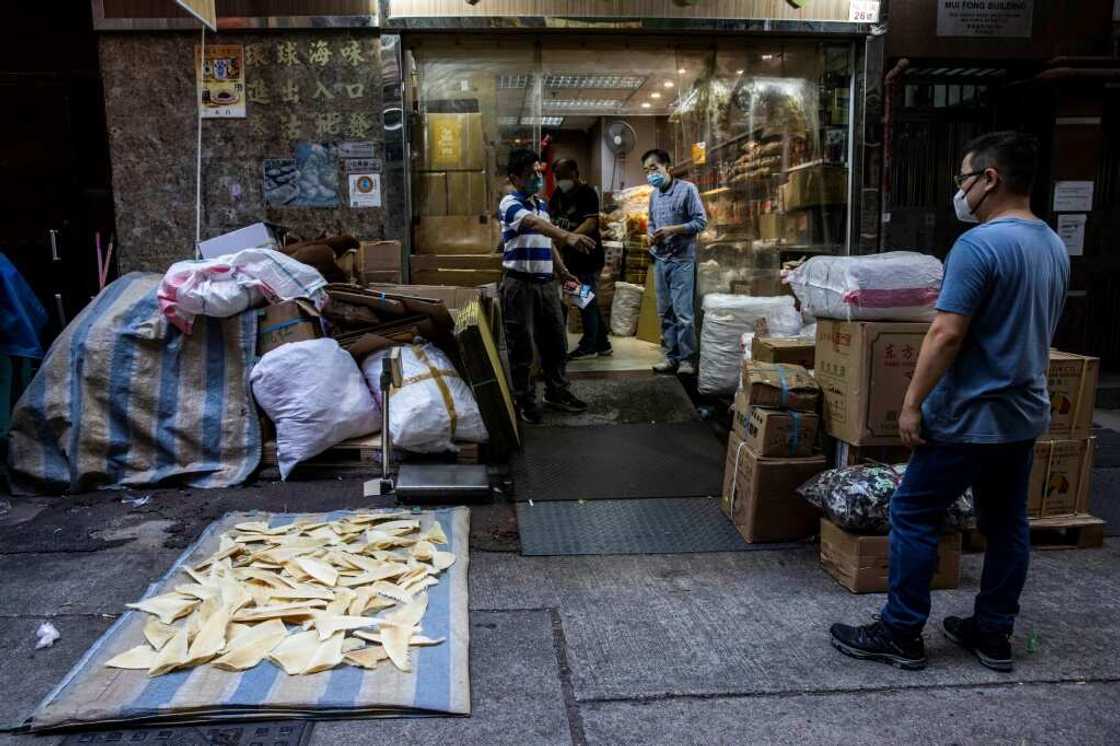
437, 375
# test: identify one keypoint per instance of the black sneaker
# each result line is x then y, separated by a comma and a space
875, 642
564, 401
605, 352
579, 352
990, 648
530, 413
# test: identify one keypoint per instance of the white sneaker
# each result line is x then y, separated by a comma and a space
665, 366
686, 369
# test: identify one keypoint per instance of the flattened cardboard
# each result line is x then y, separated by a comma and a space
863, 368
380, 256
1072, 383
779, 386
861, 563
487, 378
289, 321
772, 432
788, 350
759, 497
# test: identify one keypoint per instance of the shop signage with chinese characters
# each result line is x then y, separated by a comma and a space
992, 18
799, 10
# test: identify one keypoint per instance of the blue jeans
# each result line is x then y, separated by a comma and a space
675, 281
936, 476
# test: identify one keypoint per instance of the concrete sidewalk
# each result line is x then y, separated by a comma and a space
707, 648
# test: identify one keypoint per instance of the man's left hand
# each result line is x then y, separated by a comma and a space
661, 234
910, 427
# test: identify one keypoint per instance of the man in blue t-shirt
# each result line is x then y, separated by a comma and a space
974, 408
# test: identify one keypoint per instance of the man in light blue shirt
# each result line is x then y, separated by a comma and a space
976, 404
676, 215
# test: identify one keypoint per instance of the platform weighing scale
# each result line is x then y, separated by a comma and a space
421, 483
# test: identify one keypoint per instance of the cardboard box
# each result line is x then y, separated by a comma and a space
454, 142
281, 323
846, 454
759, 497
389, 277
780, 386
379, 256
649, 323
466, 193
773, 432
431, 193
460, 278
861, 563
863, 368
770, 226
1061, 478
816, 184
456, 261
453, 298
456, 234
1072, 383
788, 350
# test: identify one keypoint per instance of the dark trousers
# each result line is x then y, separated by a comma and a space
936, 476
594, 337
532, 314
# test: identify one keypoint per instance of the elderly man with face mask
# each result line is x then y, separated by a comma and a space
574, 206
976, 404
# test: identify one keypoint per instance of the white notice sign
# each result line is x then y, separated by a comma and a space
365, 190
1071, 229
994, 18
1073, 196
864, 11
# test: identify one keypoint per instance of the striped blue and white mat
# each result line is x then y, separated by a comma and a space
439, 683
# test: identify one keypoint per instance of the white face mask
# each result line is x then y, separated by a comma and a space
565, 185
964, 212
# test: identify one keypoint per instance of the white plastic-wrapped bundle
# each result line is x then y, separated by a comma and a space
896, 286
317, 397
726, 319
624, 309
434, 408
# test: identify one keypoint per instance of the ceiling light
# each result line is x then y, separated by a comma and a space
542, 121
682, 71
621, 82
738, 72
646, 104
655, 94
767, 56
668, 84
568, 104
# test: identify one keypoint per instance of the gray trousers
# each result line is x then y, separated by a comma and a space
532, 314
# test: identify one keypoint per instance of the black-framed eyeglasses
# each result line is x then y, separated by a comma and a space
960, 179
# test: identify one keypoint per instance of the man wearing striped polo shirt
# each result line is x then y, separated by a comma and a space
530, 295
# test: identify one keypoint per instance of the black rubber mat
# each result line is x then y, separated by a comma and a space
665, 526
1104, 499
271, 733
604, 462
1108, 448
633, 399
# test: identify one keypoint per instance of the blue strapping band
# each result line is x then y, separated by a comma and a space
795, 436
785, 386
282, 325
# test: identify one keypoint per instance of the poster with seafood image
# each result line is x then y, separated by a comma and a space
221, 91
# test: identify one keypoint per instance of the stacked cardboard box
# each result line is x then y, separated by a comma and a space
861, 563
771, 453
791, 350
284, 322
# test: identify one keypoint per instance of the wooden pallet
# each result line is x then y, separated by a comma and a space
361, 452
1081, 531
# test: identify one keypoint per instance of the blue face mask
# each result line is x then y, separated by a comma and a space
534, 184
656, 179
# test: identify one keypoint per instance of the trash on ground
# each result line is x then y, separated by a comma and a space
47, 634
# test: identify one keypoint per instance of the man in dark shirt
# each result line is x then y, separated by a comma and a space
574, 207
